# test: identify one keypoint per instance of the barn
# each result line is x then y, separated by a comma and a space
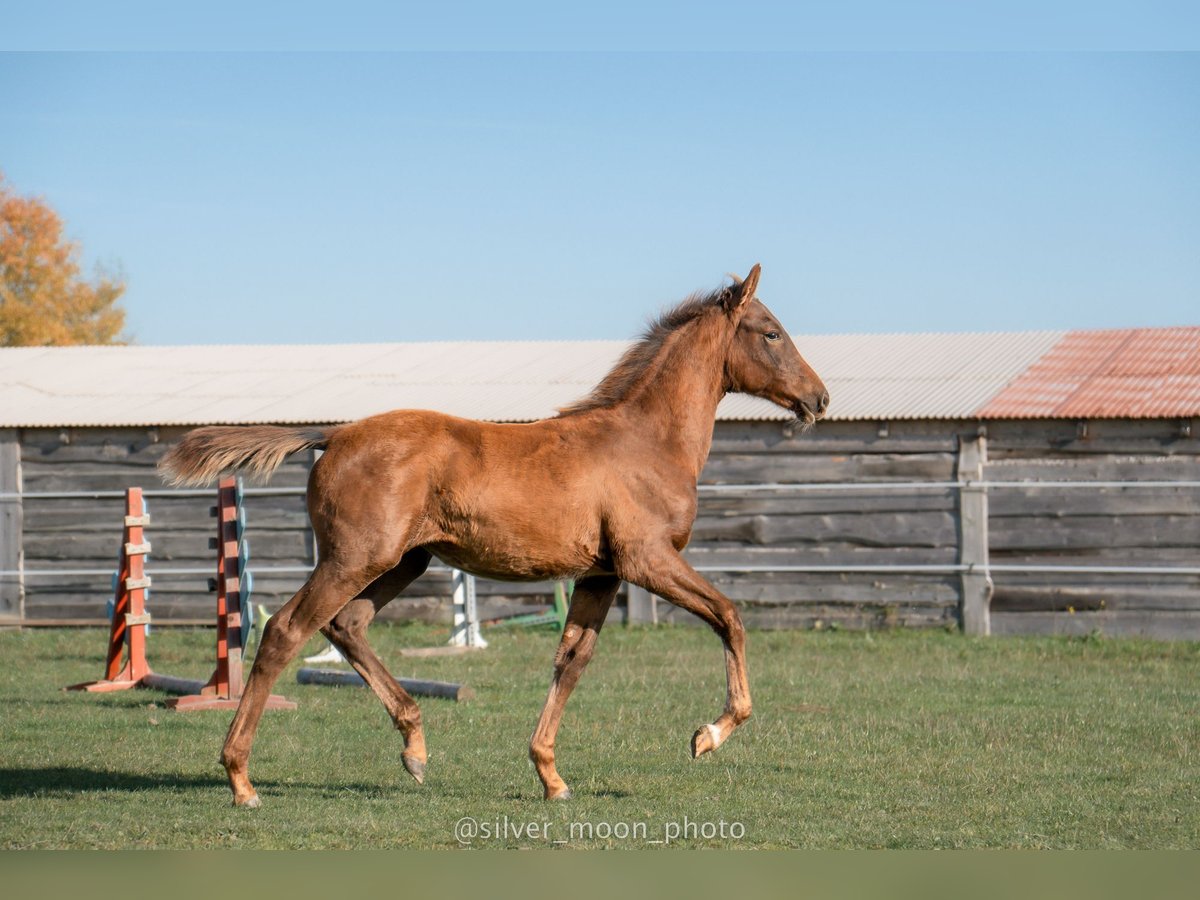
1006, 483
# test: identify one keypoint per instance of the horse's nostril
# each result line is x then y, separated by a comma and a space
823, 402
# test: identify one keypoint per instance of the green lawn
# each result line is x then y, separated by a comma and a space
897, 739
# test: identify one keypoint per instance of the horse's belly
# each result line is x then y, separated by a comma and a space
503, 563
518, 547
532, 533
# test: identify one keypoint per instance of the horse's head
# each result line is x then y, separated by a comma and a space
762, 359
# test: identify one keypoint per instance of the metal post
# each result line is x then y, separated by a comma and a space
12, 590
465, 632
973, 534
642, 606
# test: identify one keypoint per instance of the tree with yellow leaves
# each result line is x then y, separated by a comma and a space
44, 299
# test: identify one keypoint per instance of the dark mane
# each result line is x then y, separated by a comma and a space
629, 368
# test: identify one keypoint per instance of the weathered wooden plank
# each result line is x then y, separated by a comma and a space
929, 529
868, 503
1096, 468
84, 516
863, 618
1182, 449
1062, 598
831, 438
1179, 626
762, 469
1097, 556
89, 446
1063, 503
100, 459
96, 451
733, 557
46, 607
94, 622
736, 555
167, 545
1029, 533
78, 479
795, 590
1160, 437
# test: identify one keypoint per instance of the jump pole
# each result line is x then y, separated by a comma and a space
223, 690
127, 630
338, 677
464, 638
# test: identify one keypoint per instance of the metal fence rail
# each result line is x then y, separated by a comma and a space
808, 487
781, 488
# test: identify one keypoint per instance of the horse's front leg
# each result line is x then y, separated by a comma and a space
589, 606
664, 572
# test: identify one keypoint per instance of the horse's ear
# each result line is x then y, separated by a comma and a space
741, 292
750, 285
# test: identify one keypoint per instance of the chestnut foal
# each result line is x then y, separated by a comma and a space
604, 492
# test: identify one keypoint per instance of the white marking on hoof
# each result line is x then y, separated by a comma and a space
715, 733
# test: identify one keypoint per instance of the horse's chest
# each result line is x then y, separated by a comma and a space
681, 516
679, 539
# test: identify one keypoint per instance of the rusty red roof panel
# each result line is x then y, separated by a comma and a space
1159, 351
1128, 373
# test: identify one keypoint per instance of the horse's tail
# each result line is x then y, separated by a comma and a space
206, 453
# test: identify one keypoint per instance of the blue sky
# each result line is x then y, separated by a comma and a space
316, 197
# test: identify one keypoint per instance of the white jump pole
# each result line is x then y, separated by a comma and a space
465, 632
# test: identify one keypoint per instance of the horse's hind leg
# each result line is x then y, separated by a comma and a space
348, 631
589, 606
326, 591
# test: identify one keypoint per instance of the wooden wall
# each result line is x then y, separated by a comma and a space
1115, 526
831, 528
1094, 527
85, 533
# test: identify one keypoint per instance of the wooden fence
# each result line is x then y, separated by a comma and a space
915, 536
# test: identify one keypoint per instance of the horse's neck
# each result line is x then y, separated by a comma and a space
677, 400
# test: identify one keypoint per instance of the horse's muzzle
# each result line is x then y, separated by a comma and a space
812, 410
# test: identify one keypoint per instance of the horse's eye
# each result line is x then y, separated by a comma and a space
772, 335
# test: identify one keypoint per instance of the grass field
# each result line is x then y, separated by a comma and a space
896, 739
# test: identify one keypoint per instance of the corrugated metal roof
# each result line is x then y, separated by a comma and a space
920, 376
98, 386
882, 376
1127, 373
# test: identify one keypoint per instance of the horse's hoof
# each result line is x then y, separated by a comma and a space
703, 741
251, 802
415, 767
564, 794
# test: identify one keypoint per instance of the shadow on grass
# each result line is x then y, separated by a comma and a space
74, 780
99, 701
68, 780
